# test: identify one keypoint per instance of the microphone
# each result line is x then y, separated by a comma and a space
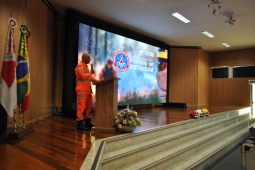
92, 69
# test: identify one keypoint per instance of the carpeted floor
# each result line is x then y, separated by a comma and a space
232, 161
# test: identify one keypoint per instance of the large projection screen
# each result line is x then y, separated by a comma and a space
138, 60
142, 68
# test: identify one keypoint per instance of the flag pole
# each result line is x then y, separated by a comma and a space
20, 117
14, 121
24, 126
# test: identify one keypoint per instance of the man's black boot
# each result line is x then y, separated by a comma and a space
80, 126
88, 123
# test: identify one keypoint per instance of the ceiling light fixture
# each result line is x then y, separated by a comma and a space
180, 17
225, 44
208, 34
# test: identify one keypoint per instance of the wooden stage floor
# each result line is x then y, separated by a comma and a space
158, 116
56, 144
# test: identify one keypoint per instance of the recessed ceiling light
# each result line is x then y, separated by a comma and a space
208, 34
225, 44
180, 17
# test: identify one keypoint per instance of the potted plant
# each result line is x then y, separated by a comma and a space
127, 120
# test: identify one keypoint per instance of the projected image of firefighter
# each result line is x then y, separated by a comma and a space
108, 71
162, 72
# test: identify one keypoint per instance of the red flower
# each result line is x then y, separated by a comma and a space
124, 122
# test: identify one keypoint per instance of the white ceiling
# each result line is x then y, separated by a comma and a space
153, 18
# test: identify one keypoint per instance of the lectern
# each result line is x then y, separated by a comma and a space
106, 104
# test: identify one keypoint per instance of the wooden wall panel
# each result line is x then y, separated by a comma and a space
40, 21
58, 62
232, 91
183, 76
7, 7
204, 77
234, 58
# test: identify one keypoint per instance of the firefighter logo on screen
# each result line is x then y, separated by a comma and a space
121, 61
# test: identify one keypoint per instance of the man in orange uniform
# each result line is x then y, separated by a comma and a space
84, 92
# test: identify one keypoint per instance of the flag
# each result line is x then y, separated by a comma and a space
8, 87
23, 78
26, 103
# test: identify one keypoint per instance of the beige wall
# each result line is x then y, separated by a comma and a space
40, 21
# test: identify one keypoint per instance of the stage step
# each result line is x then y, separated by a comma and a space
194, 153
175, 146
168, 144
116, 143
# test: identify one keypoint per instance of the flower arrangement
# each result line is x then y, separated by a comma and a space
127, 117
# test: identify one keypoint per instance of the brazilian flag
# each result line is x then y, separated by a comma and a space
22, 71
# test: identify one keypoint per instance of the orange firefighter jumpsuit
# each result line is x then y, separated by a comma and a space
83, 91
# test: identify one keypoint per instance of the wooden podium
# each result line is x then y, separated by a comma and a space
106, 105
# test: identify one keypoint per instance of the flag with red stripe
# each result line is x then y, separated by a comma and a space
8, 89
